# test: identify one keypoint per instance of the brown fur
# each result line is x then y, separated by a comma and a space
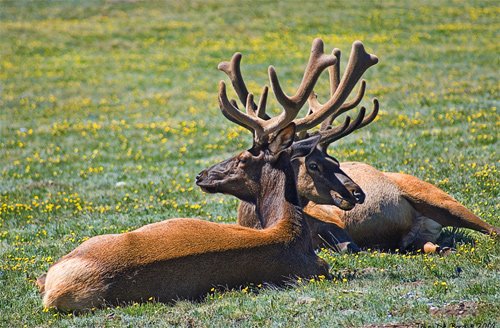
152, 262
438, 205
323, 233
40, 283
326, 184
185, 258
400, 211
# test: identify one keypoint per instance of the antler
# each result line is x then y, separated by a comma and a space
359, 62
255, 118
262, 125
232, 69
330, 134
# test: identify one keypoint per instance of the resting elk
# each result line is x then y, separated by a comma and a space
399, 211
185, 258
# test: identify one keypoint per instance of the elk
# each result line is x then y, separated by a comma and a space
399, 211
185, 258
317, 165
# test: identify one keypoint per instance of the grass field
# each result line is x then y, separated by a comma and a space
108, 110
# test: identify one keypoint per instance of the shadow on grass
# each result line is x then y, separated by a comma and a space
451, 237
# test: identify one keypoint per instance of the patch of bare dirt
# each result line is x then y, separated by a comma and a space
44, 185
456, 309
395, 325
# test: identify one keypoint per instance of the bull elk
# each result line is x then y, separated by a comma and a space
399, 211
185, 258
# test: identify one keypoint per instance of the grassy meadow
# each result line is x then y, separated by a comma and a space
108, 110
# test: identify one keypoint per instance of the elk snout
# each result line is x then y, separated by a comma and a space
356, 191
203, 181
210, 180
201, 176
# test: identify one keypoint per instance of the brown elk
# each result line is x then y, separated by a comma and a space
185, 258
317, 165
399, 212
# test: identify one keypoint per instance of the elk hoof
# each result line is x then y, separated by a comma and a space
445, 251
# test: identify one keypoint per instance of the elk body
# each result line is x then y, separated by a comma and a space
185, 258
327, 175
400, 211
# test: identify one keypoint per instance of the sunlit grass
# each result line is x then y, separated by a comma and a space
108, 110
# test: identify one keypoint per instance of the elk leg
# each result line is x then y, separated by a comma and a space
434, 203
330, 235
422, 235
40, 282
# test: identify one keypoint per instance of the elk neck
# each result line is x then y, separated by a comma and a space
278, 197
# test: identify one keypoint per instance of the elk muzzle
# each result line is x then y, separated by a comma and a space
346, 195
357, 192
223, 177
206, 183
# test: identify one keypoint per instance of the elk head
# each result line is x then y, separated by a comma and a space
245, 174
319, 177
330, 134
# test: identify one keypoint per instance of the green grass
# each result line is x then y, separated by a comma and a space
96, 93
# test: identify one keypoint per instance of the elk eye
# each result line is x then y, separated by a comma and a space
243, 160
313, 166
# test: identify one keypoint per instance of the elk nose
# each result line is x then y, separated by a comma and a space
359, 195
355, 191
200, 175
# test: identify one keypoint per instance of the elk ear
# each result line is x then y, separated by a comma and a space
304, 147
283, 139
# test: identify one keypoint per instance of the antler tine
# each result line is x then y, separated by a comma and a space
334, 134
359, 62
235, 115
331, 135
229, 117
345, 107
318, 61
249, 106
250, 120
370, 118
335, 130
261, 110
226, 115
233, 71
334, 72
